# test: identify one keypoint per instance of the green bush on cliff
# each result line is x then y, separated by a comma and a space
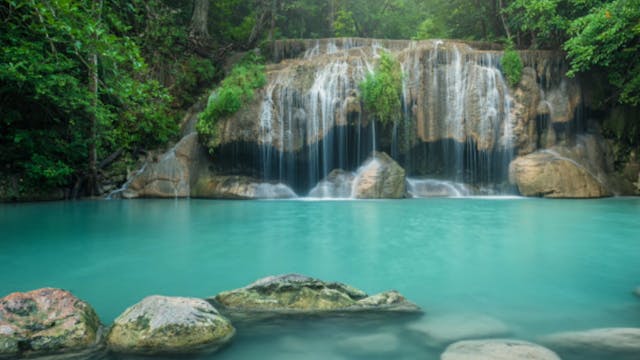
382, 90
512, 65
235, 90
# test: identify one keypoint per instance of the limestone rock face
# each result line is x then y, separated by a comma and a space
171, 174
238, 187
497, 350
607, 343
548, 174
380, 178
298, 294
443, 330
45, 322
172, 325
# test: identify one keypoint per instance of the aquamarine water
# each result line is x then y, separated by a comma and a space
538, 265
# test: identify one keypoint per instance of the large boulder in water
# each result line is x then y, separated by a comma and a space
338, 184
294, 294
239, 188
172, 325
497, 350
380, 178
45, 322
548, 174
607, 343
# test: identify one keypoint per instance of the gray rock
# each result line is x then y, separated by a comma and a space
637, 291
606, 343
380, 178
497, 350
375, 344
172, 325
294, 294
47, 322
441, 331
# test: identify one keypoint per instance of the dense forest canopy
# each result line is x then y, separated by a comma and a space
88, 85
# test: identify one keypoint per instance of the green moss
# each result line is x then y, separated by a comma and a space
382, 90
235, 90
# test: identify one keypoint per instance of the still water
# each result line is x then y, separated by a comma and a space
539, 266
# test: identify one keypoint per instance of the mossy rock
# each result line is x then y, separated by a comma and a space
294, 294
47, 322
169, 325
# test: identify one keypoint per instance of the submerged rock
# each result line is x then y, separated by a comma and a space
173, 325
607, 343
294, 294
239, 187
376, 344
380, 178
548, 174
497, 350
443, 330
45, 322
637, 291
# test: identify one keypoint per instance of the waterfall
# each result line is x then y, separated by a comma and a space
456, 125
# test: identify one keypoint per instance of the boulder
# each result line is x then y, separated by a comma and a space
239, 188
443, 330
606, 343
637, 291
380, 178
548, 174
169, 325
338, 184
497, 350
294, 294
45, 322
168, 176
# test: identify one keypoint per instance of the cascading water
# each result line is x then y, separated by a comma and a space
457, 124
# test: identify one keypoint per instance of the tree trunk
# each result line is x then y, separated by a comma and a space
92, 181
199, 29
272, 27
504, 21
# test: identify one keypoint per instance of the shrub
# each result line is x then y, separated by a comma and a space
234, 91
512, 65
382, 90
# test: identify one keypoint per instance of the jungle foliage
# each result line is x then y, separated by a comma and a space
89, 85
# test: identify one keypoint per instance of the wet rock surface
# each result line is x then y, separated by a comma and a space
169, 325
295, 294
380, 178
239, 188
46, 322
497, 350
548, 174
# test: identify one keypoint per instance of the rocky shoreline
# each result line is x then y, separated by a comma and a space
54, 324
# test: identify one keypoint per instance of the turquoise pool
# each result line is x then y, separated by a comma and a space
539, 266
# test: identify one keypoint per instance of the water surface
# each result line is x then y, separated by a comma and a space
538, 265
